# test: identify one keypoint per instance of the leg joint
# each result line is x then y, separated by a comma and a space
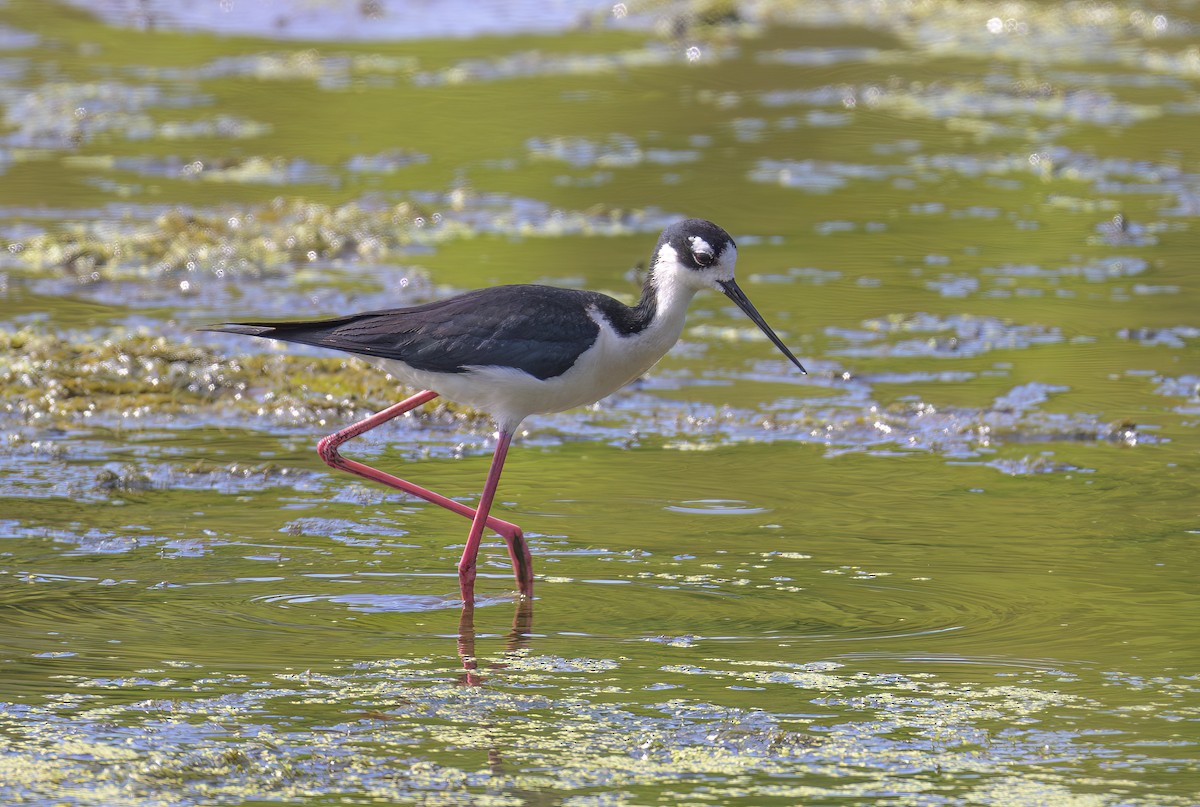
327, 448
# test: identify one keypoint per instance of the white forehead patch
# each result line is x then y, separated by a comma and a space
700, 245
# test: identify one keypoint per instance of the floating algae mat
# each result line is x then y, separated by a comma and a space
414, 730
953, 564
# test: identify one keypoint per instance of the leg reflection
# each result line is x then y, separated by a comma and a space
515, 640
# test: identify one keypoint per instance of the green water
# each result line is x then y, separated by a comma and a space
955, 564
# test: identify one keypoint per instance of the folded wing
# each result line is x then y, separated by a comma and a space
541, 330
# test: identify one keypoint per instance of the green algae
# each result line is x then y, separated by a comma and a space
267, 240
136, 376
882, 734
58, 379
229, 251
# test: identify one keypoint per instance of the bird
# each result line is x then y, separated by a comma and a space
518, 350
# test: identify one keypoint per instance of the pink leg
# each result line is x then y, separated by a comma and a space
518, 550
513, 537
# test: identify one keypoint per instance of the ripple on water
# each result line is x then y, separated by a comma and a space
365, 603
987, 661
716, 507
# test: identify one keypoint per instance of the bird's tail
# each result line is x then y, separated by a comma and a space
308, 332
243, 328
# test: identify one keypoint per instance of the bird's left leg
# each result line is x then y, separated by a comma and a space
518, 550
328, 449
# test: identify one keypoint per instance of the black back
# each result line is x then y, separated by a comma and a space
538, 329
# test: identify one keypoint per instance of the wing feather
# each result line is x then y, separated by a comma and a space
541, 330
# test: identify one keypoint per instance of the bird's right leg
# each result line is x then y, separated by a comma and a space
518, 549
328, 449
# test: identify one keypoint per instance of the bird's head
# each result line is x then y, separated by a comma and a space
696, 254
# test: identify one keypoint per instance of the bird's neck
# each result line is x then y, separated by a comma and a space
664, 301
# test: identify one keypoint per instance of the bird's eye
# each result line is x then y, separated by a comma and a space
702, 258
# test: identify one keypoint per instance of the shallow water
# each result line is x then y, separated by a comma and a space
954, 564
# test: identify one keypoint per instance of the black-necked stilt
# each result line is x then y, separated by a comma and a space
515, 351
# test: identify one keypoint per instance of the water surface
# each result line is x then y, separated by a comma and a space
953, 564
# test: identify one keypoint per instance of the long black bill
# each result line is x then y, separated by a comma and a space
735, 293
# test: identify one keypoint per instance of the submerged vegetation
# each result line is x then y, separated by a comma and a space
71, 380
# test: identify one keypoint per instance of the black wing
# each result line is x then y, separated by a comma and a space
538, 329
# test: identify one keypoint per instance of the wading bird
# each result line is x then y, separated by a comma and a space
515, 351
